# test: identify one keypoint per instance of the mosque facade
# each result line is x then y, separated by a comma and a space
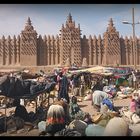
31, 49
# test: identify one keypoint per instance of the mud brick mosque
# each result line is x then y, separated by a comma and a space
29, 49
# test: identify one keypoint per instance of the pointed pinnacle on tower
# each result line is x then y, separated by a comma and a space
79, 26
28, 26
111, 22
69, 19
29, 21
111, 26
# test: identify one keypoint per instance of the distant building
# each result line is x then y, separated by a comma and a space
28, 49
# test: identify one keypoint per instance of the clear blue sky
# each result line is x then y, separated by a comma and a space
48, 18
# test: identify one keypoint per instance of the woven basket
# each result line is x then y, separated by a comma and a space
96, 118
113, 114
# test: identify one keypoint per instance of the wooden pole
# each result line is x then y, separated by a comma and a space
5, 127
36, 105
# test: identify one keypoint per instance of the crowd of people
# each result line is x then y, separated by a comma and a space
64, 117
102, 93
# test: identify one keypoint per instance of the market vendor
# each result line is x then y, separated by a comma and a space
97, 98
75, 111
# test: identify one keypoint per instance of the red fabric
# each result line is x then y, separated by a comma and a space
52, 120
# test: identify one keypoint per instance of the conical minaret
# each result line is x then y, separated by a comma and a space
111, 22
69, 22
29, 21
111, 45
28, 26
69, 19
28, 45
70, 42
111, 27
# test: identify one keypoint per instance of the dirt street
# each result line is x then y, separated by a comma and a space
85, 106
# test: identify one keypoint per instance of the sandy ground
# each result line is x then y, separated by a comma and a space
85, 106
